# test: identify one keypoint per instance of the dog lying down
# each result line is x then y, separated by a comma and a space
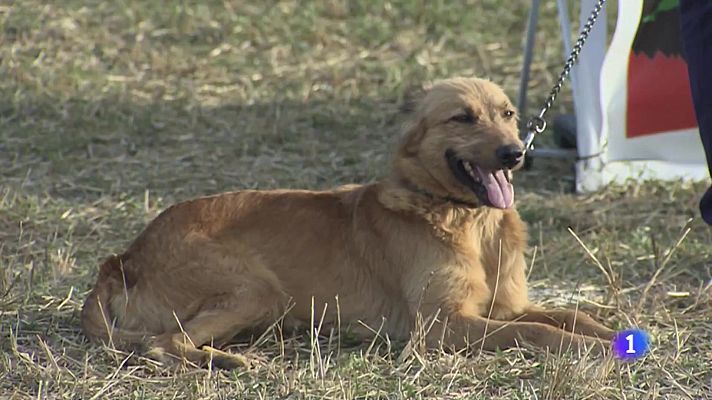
438, 240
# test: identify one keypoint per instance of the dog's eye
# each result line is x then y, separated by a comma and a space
508, 114
465, 118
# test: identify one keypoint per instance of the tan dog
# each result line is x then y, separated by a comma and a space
438, 238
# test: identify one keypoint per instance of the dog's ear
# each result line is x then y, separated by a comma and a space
413, 132
414, 128
411, 97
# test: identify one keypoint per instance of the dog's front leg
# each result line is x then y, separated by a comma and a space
460, 331
570, 320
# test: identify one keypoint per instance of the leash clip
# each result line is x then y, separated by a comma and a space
536, 124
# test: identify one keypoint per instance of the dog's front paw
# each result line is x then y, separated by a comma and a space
226, 360
166, 358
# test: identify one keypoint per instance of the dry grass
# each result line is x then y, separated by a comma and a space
110, 111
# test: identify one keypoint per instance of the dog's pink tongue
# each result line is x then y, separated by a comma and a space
499, 191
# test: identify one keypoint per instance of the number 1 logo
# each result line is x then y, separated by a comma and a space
631, 344
630, 349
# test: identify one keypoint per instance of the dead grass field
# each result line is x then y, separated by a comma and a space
111, 111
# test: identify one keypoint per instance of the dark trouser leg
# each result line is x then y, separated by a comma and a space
696, 25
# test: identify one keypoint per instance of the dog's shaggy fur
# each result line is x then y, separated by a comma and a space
437, 239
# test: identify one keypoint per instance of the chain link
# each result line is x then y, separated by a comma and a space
537, 123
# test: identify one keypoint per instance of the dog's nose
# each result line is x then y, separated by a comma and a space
510, 155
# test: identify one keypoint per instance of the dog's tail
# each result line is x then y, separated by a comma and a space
98, 323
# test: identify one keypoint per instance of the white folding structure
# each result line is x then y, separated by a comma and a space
599, 85
600, 94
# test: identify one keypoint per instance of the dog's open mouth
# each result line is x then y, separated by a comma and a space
492, 187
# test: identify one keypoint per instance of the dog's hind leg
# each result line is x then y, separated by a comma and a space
213, 326
570, 320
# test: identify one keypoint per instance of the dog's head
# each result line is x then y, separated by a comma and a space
462, 142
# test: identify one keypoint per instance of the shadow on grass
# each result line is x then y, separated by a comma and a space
82, 148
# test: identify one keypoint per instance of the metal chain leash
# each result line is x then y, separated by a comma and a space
537, 123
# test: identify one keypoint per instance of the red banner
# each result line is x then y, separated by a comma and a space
659, 98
